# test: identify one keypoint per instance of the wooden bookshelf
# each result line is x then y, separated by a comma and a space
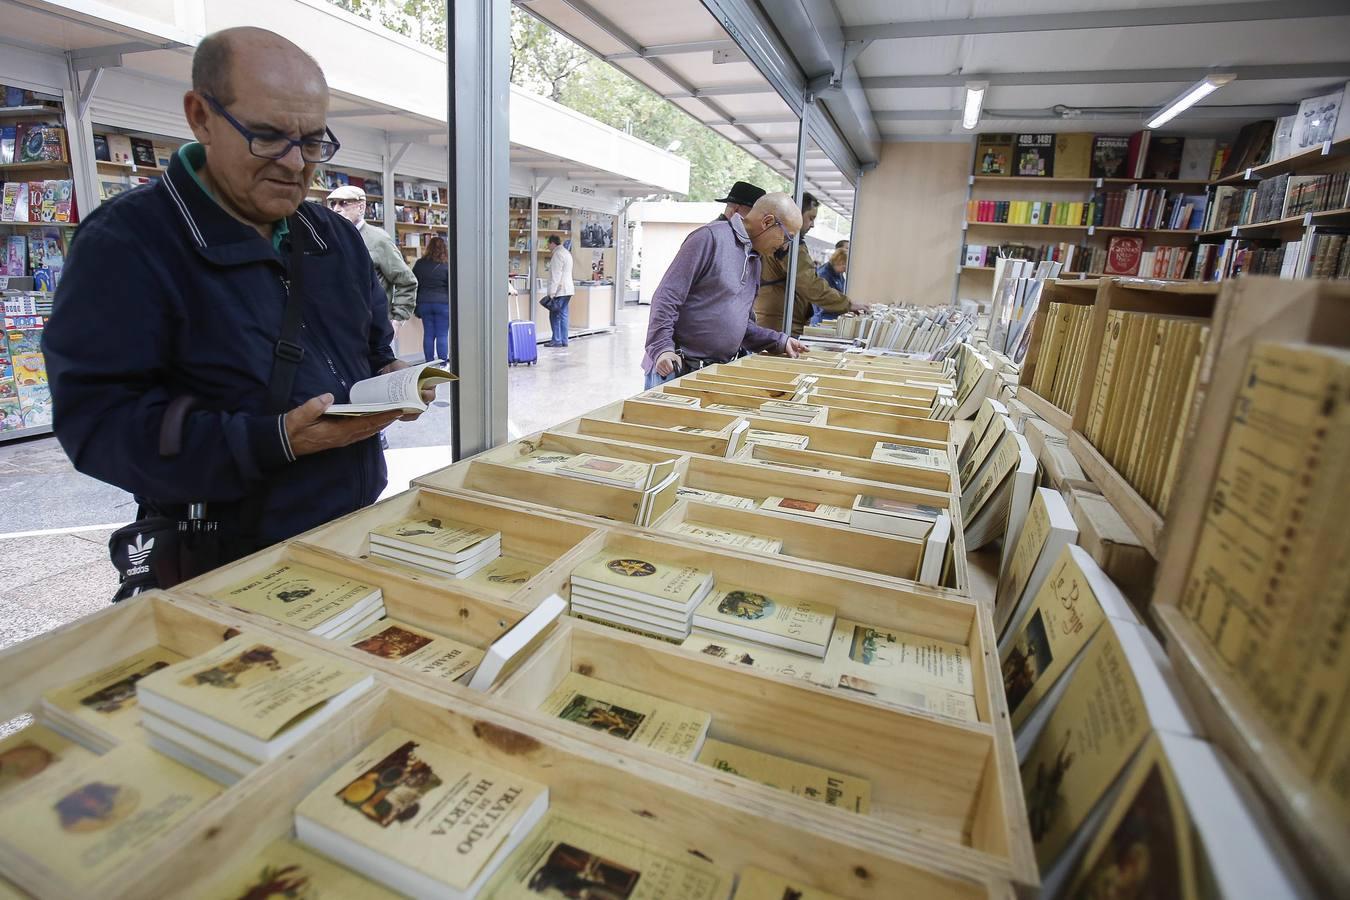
1309, 162
1016, 225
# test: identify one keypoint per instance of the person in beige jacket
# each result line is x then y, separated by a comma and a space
810, 287
560, 291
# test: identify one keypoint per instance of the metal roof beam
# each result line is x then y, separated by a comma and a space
1338, 70
358, 113
1115, 18
993, 115
671, 49
770, 119
725, 90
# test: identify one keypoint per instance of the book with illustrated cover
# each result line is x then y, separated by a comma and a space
1049, 526
426, 651
1073, 155
1035, 155
101, 709
994, 154
393, 391
715, 498
568, 858
541, 460
90, 819
143, 152
119, 148
1197, 155
765, 659
804, 509
8, 139
1164, 157
909, 455
896, 517
314, 601
728, 538
1109, 154
669, 399
617, 472
35, 751
443, 539
1123, 254
41, 144
420, 817
777, 439
643, 580
504, 575
1316, 121
251, 694
791, 467
287, 870
800, 779
629, 715
981, 450
690, 429
799, 625
760, 884
10, 210
896, 658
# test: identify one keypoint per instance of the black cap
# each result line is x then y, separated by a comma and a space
744, 193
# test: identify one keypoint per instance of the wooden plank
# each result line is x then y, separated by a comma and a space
1045, 409
1143, 520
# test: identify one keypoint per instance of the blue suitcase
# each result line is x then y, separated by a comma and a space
520, 345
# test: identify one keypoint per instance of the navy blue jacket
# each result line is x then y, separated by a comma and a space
164, 294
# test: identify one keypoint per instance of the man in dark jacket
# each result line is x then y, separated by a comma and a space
167, 322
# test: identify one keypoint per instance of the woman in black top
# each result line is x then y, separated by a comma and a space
433, 299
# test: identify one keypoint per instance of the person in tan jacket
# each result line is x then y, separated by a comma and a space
810, 287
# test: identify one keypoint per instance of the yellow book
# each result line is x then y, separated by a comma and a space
285, 869
420, 817
988, 409
1056, 319
629, 715
1106, 376
433, 536
425, 651
252, 693
998, 426
89, 819
760, 884
800, 625
1002, 462
36, 751
1073, 156
799, 779
566, 857
1188, 406
105, 701
1063, 617
742, 540
307, 598
804, 509
1048, 527
898, 659
503, 576
642, 579
764, 659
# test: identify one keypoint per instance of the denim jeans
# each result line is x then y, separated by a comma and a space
557, 320
653, 379
435, 331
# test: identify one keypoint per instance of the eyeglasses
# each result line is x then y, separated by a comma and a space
276, 146
787, 235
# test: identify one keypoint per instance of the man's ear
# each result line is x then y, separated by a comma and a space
197, 114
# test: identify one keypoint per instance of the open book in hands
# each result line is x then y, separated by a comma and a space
401, 390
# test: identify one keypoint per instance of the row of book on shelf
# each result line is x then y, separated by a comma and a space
930, 331
1280, 197
1320, 254
32, 142
1155, 209
25, 399
38, 254
49, 200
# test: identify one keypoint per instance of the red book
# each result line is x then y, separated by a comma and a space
1134, 162
1123, 254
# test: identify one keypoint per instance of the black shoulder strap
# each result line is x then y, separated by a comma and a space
288, 353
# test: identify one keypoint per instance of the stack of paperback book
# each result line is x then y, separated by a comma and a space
638, 476
798, 625
669, 399
419, 817
435, 545
629, 715
792, 411
320, 603
896, 517
646, 596
100, 710
427, 652
909, 455
246, 701
792, 508
777, 439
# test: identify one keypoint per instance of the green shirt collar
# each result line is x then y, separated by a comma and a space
193, 156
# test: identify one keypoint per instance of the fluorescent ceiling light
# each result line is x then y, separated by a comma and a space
1191, 96
974, 101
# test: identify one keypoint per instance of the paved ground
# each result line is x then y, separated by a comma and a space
62, 572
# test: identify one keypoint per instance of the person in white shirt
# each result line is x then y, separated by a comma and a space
560, 290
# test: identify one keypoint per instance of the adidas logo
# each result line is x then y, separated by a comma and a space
139, 552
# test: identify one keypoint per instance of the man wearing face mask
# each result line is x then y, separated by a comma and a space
810, 288
700, 312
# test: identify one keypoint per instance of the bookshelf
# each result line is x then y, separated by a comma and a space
419, 215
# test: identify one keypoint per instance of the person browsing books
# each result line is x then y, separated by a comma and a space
560, 290
811, 289
832, 273
169, 373
398, 281
701, 309
433, 299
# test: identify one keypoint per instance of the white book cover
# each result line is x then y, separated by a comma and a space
510, 649
935, 550
1048, 528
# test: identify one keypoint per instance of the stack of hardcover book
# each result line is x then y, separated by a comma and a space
435, 545
318, 602
244, 702
798, 625
629, 715
644, 595
419, 817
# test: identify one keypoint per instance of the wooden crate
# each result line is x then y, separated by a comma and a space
881, 418
928, 775
731, 824
756, 377
824, 543
867, 403
853, 467
1251, 310
802, 366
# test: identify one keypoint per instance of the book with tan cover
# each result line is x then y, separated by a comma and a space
1048, 527
434, 536
285, 869
800, 779
300, 595
92, 818
504, 575
606, 470
764, 659
628, 715
642, 579
897, 658
715, 498
801, 625
419, 816
998, 426
425, 651
741, 540
106, 700
36, 751
567, 857
541, 460
804, 509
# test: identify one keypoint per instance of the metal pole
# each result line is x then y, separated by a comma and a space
479, 191
790, 287
533, 245
80, 128
387, 173
853, 225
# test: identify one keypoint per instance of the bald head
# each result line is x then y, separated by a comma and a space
772, 222
256, 51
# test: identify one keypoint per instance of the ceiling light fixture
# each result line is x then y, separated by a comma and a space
1188, 98
974, 102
